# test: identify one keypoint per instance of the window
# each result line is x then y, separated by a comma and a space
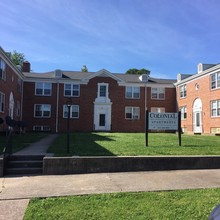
215, 108
132, 92
132, 113
42, 110
158, 109
18, 108
74, 111
2, 70
215, 80
41, 128
2, 102
71, 90
158, 93
183, 111
183, 91
43, 88
19, 85
102, 90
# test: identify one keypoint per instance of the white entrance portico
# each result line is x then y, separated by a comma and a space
197, 116
102, 109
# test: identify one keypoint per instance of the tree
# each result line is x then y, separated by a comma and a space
137, 71
84, 69
132, 71
18, 58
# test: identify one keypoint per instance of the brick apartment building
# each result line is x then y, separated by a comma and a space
100, 101
104, 101
11, 84
198, 98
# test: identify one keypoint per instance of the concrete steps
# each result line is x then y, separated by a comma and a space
24, 165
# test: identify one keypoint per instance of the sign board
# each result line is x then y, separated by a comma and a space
163, 121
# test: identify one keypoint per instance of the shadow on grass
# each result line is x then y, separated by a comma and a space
81, 144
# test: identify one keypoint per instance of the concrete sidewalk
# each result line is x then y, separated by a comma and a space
38, 148
18, 190
15, 192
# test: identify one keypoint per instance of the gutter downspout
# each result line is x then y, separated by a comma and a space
57, 107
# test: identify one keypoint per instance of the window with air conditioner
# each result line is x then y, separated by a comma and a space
132, 113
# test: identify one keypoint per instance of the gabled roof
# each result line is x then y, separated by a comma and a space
103, 72
207, 71
9, 62
84, 77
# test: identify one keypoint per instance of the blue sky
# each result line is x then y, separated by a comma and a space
165, 36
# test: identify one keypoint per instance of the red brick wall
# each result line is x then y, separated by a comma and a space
30, 99
88, 94
6, 87
206, 95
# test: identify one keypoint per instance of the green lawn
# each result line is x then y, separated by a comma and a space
133, 144
21, 141
182, 204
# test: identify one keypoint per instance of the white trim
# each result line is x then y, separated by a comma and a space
2, 102
101, 72
43, 89
71, 90
42, 111
199, 75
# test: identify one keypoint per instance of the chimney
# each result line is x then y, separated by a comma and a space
26, 67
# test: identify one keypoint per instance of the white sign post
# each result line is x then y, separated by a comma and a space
162, 122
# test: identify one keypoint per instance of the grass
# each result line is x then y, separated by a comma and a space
133, 144
21, 141
182, 204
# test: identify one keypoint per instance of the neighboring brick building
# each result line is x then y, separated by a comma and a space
11, 83
198, 98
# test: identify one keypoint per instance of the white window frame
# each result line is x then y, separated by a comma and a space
41, 128
134, 111
2, 69
215, 107
44, 108
18, 108
183, 111
215, 80
100, 91
158, 92
72, 89
43, 86
130, 92
19, 85
74, 109
183, 91
2, 102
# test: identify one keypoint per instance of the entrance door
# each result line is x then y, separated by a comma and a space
102, 117
102, 120
198, 122
197, 116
